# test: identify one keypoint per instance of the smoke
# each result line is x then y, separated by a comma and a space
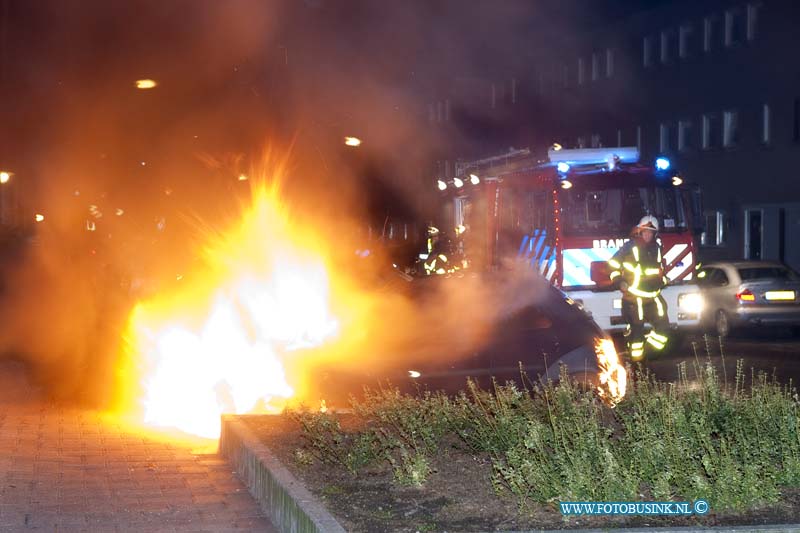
130, 181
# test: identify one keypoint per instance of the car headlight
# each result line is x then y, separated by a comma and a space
691, 303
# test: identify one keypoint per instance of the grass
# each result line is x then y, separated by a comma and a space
735, 444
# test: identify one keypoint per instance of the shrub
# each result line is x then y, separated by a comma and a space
735, 445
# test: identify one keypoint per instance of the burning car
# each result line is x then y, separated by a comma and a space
482, 327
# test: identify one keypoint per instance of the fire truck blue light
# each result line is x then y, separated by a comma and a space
662, 163
563, 167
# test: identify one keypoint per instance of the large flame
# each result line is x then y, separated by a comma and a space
218, 344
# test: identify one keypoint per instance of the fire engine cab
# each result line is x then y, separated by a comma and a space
567, 215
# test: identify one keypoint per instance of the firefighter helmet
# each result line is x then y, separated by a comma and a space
648, 222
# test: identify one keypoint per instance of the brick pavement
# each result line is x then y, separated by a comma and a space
64, 469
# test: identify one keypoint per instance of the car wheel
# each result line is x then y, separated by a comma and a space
722, 324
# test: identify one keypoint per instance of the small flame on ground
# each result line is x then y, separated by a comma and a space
613, 376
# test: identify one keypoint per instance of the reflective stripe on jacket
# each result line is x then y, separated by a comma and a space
640, 266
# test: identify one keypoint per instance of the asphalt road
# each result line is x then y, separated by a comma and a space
772, 351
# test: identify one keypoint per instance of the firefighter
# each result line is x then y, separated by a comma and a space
432, 263
638, 271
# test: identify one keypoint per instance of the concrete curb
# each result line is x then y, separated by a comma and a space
293, 509
289, 505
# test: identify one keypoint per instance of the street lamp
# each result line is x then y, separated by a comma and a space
352, 141
146, 84
5, 176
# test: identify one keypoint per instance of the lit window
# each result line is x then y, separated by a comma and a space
595, 66
639, 138
596, 143
730, 128
766, 126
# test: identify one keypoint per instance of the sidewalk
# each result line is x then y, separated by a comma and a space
68, 470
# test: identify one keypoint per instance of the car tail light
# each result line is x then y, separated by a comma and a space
745, 296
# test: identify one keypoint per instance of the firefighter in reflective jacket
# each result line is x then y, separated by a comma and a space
638, 270
435, 260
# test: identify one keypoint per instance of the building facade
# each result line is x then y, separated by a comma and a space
713, 85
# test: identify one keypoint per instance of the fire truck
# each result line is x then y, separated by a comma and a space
567, 214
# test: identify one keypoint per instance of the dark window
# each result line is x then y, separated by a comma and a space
716, 277
711, 131
735, 27
796, 121
758, 273
709, 32
647, 51
709, 277
721, 278
666, 46
714, 230
616, 211
536, 211
730, 129
686, 140
685, 40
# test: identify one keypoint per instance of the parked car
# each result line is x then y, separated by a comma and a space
511, 327
749, 293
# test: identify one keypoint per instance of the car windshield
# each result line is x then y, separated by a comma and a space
616, 211
764, 273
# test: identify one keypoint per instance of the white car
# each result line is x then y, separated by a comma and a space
749, 293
